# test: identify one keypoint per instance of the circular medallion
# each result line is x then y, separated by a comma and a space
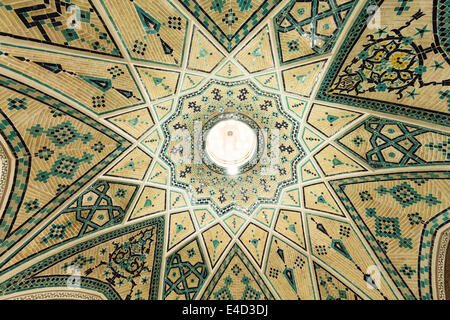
232, 143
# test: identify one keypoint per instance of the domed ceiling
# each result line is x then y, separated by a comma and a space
106, 192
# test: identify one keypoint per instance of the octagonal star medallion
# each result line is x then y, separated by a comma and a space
262, 178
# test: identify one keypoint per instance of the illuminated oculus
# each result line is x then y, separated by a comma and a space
230, 143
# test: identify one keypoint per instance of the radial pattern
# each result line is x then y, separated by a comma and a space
111, 187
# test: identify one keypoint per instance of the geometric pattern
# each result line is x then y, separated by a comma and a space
229, 71
71, 24
328, 120
310, 28
191, 81
236, 269
159, 83
216, 240
256, 55
265, 216
337, 245
333, 162
181, 226
135, 123
101, 86
289, 224
331, 288
311, 139
4, 169
203, 217
158, 174
288, 270
163, 108
395, 213
291, 198
186, 272
317, 197
102, 205
177, 200
52, 150
302, 80
259, 184
297, 106
203, 55
254, 239
133, 166
309, 172
157, 32
384, 143
100, 102
234, 222
229, 21
151, 201
269, 81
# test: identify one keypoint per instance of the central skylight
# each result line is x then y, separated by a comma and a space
231, 144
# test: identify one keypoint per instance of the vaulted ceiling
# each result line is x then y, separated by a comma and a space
100, 198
